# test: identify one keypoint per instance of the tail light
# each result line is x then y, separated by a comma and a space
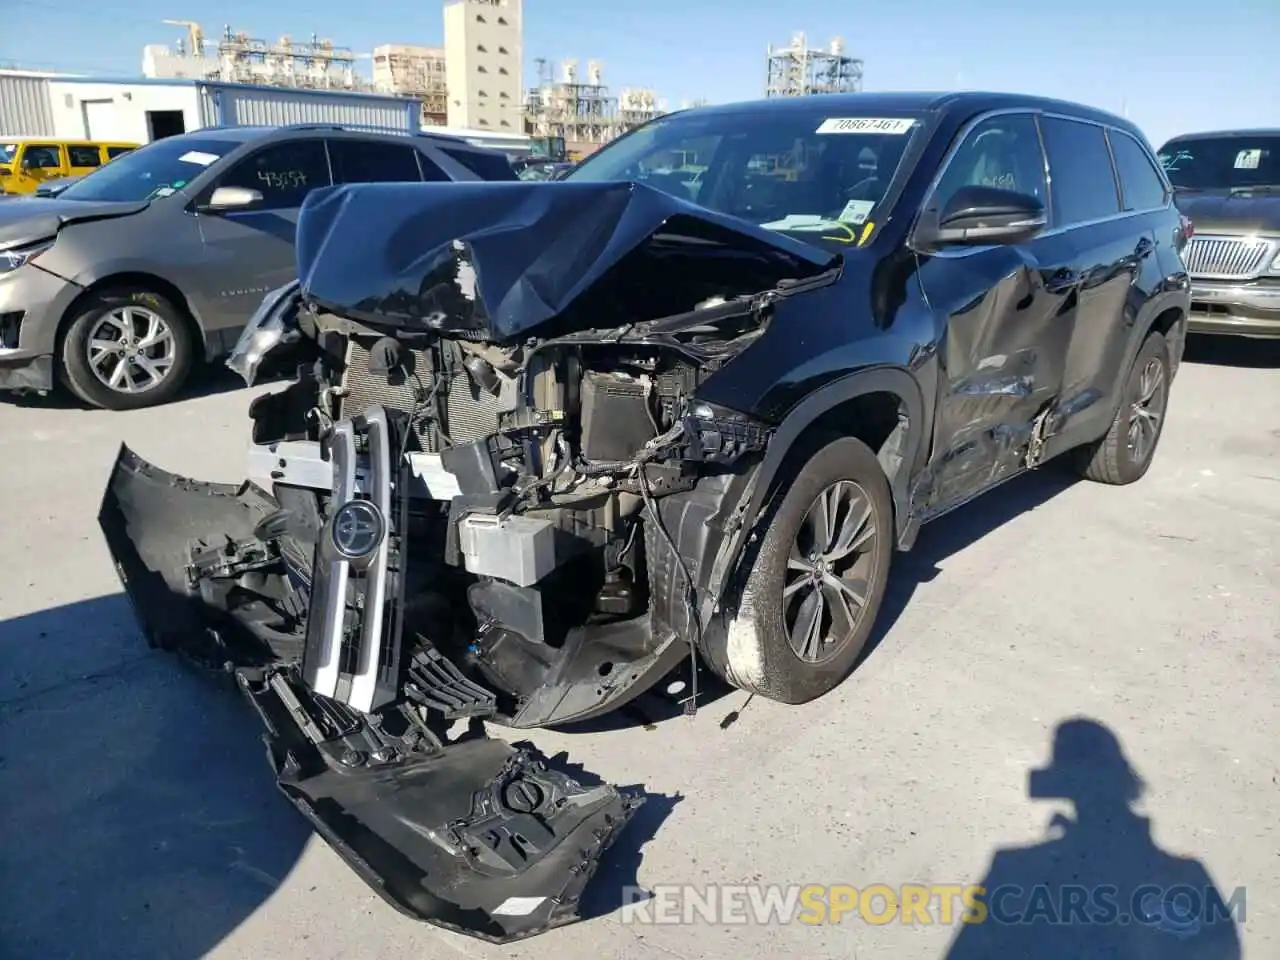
1186, 230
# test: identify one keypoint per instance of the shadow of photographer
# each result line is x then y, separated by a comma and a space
1100, 887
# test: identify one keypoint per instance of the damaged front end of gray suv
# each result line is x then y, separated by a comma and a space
492, 494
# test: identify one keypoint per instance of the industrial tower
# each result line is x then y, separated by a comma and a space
799, 70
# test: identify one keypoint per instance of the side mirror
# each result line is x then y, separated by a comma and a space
977, 216
231, 198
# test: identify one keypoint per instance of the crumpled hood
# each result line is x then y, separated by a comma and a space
1231, 214
495, 260
35, 218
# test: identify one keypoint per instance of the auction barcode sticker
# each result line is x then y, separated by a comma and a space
865, 125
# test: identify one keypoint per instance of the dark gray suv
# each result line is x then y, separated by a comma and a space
127, 279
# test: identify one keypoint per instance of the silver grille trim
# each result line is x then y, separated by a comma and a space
1210, 257
329, 589
338, 591
370, 688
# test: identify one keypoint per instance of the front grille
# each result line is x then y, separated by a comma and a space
470, 413
352, 649
1227, 258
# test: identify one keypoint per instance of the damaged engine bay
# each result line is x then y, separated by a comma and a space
491, 493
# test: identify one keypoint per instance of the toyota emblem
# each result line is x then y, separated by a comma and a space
358, 529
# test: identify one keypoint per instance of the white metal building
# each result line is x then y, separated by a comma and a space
25, 110
512, 144
483, 55
138, 111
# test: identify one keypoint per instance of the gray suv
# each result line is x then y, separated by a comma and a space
119, 286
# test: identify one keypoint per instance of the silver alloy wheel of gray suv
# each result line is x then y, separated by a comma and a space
127, 348
128, 357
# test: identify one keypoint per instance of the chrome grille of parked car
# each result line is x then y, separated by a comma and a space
1228, 258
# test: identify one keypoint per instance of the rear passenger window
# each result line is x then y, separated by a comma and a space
1080, 175
1140, 185
365, 161
113, 152
1001, 151
84, 156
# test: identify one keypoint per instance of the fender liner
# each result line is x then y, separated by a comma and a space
894, 380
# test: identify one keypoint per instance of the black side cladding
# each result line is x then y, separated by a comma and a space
478, 837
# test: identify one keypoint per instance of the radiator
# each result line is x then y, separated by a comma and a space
470, 413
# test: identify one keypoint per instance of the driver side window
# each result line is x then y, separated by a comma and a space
284, 173
42, 157
1002, 151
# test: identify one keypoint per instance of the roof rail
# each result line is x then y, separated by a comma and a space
452, 138
351, 127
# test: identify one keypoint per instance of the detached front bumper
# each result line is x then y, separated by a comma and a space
474, 835
1241, 309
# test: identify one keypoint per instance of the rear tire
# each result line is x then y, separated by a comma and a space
765, 648
127, 349
1124, 455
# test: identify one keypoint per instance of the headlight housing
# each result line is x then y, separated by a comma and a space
716, 434
11, 258
273, 323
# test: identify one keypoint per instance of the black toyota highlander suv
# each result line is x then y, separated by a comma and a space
1228, 184
557, 440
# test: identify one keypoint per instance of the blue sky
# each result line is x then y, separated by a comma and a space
1172, 66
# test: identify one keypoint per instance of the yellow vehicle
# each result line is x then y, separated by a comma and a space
26, 163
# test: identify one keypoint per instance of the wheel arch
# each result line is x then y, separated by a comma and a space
1171, 323
123, 280
1166, 315
883, 406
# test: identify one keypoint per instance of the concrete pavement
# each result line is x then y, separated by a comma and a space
140, 820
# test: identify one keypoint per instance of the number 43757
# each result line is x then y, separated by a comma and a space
283, 180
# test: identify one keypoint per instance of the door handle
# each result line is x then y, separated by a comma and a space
1060, 281
1144, 247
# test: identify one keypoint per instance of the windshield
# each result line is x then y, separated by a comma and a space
7, 152
156, 170
797, 170
1223, 163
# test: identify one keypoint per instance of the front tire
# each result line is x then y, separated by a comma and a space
815, 584
127, 349
1124, 455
